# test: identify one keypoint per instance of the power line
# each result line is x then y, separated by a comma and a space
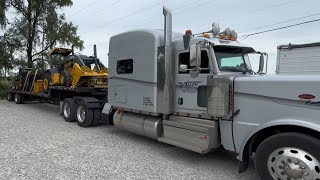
110, 5
284, 27
199, 5
273, 6
173, 10
281, 22
186, 5
134, 13
83, 8
202, 3
263, 9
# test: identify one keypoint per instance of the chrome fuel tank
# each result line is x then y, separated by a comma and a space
149, 126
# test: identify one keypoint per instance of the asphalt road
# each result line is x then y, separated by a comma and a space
36, 143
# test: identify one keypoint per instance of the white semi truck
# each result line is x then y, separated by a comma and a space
200, 93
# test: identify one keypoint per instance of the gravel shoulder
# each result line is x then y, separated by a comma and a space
36, 143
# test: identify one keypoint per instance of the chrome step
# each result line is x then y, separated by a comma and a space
197, 135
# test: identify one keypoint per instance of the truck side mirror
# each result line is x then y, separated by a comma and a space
261, 63
195, 60
183, 68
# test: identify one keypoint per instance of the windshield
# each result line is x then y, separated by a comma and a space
230, 59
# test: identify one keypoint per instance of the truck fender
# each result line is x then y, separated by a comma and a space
242, 157
91, 102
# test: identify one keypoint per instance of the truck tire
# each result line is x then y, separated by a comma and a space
9, 97
18, 98
69, 110
288, 156
84, 116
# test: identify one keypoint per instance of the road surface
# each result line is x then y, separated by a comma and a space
36, 143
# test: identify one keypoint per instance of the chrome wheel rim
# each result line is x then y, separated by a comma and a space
293, 164
66, 110
81, 114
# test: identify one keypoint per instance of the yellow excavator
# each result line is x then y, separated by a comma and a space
70, 70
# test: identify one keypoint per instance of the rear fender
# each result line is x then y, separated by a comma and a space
91, 102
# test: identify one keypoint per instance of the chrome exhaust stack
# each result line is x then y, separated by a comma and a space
167, 100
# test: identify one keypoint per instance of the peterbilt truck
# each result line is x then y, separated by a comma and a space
200, 93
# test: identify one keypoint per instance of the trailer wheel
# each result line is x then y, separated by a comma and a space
9, 97
288, 156
84, 116
68, 110
18, 98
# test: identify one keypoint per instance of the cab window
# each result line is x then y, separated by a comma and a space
184, 59
125, 66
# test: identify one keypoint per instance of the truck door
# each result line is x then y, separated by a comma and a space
191, 93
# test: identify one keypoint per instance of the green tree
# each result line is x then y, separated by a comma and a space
7, 60
39, 25
2, 13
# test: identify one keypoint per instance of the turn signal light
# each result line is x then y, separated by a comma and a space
189, 32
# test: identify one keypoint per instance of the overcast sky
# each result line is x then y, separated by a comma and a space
98, 20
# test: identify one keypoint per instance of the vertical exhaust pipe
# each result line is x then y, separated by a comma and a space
95, 51
169, 65
96, 57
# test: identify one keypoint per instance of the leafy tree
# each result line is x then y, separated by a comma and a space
39, 25
2, 13
6, 56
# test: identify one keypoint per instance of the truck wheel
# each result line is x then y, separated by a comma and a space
84, 116
68, 110
9, 97
288, 156
18, 98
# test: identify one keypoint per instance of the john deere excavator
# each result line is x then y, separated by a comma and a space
70, 70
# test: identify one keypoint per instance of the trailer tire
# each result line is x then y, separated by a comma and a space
69, 110
10, 97
18, 99
84, 116
288, 156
